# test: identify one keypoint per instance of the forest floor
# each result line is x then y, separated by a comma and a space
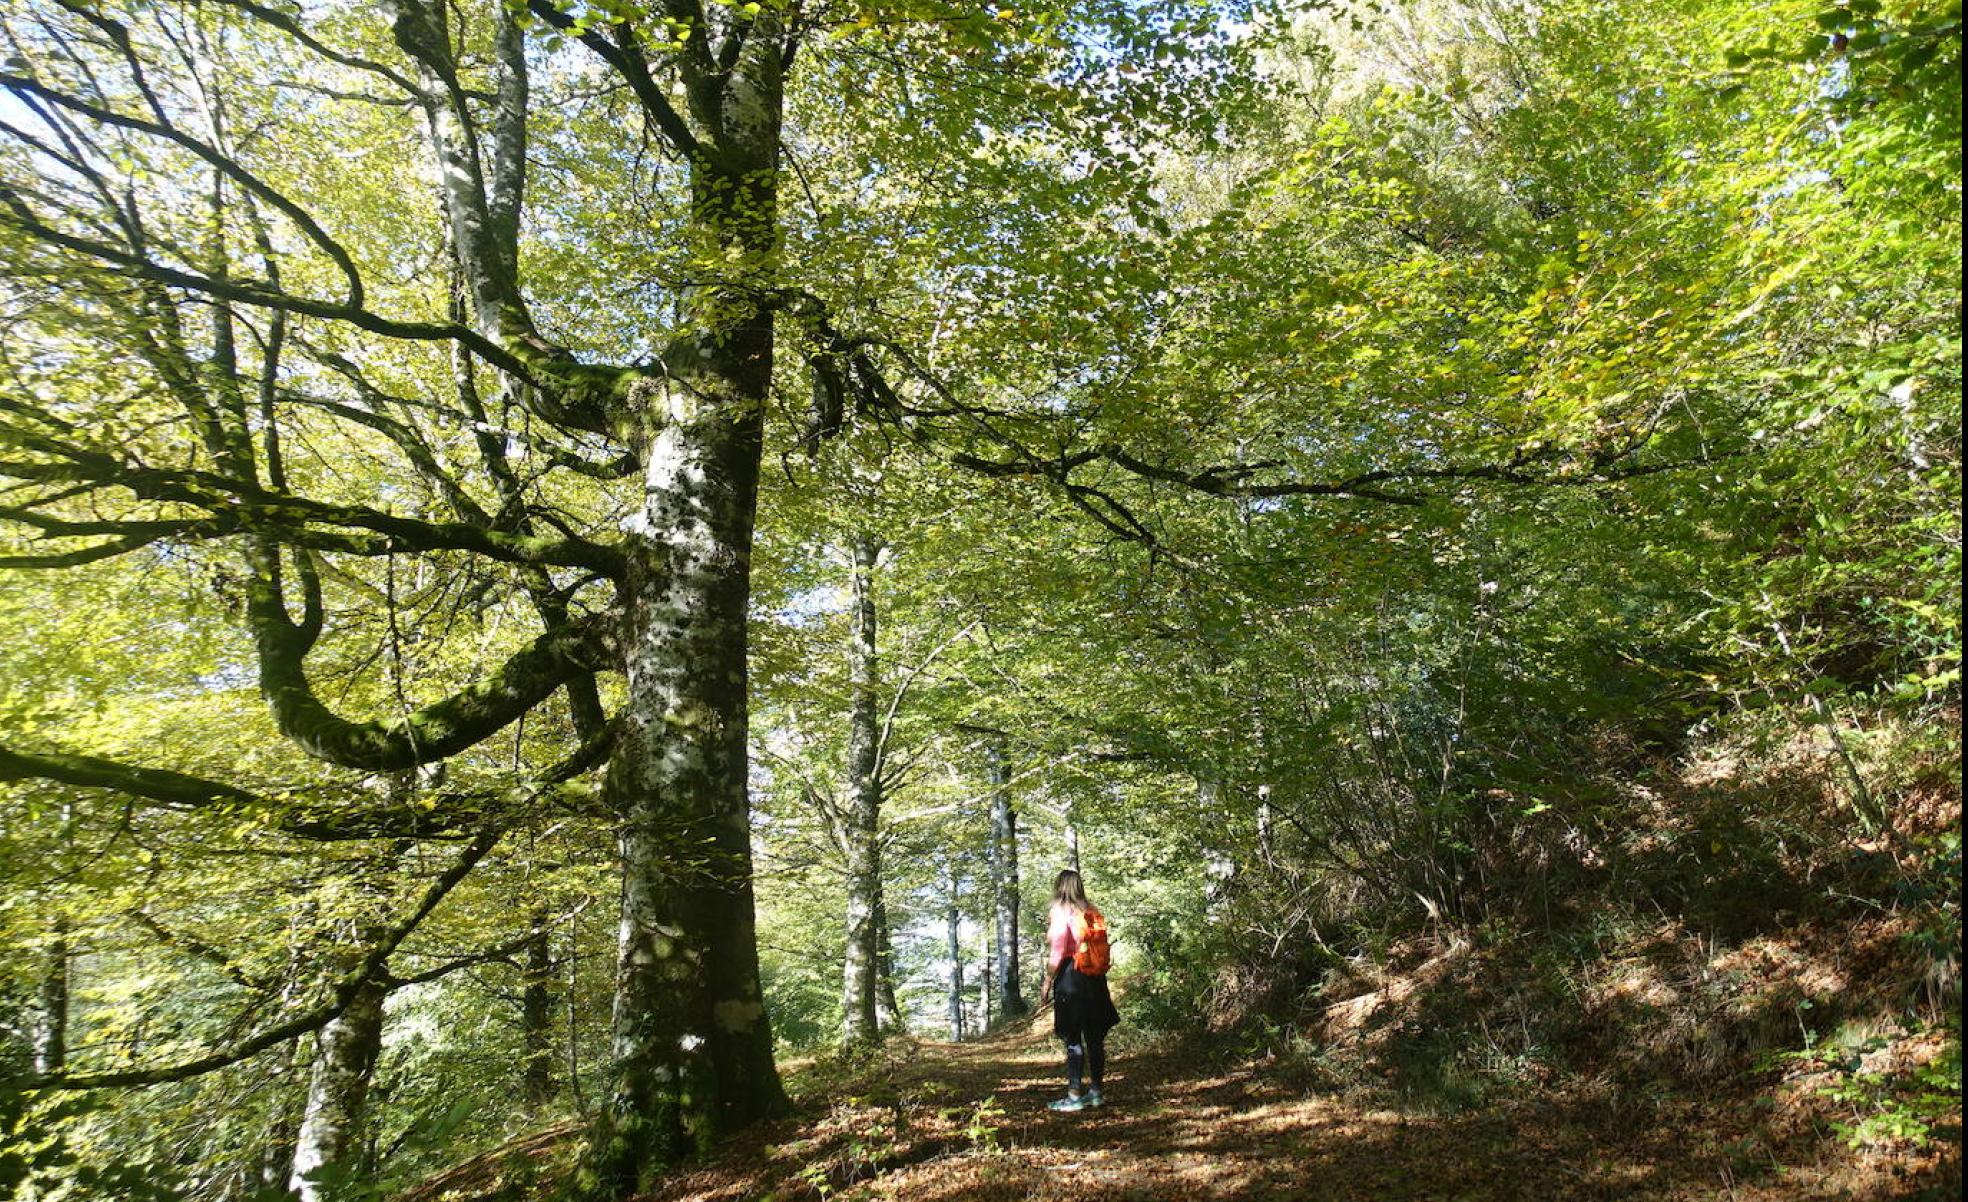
940, 1122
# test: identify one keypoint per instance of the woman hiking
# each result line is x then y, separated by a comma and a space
1076, 980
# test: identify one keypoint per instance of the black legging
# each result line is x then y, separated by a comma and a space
1089, 1049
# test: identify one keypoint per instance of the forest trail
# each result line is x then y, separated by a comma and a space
968, 1123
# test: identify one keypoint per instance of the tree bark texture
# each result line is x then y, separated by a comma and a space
536, 1014
51, 1003
1004, 885
952, 927
1219, 864
861, 835
273, 1162
336, 1118
890, 1015
692, 1049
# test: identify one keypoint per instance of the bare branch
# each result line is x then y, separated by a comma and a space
222, 163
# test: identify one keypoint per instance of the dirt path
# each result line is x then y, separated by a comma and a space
968, 1123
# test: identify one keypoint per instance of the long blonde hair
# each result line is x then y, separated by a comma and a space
1068, 890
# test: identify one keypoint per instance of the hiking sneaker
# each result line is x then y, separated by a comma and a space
1071, 1102
1092, 1097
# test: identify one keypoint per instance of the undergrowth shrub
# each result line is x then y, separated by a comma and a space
1674, 915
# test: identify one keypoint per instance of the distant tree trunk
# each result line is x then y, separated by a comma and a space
51, 1010
574, 1018
1072, 839
1219, 865
336, 1118
1264, 823
50, 1034
1261, 734
273, 1167
275, 1164
861, 813
1004, 884
536, 1013
953, 922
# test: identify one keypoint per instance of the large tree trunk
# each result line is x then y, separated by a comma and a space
1004, 885
333, 1126
692, 1050
861, 816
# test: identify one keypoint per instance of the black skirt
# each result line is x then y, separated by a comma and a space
1081, 1004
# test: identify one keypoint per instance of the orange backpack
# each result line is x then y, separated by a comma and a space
1091, 956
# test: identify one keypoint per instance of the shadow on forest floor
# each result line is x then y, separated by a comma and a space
968, 1123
